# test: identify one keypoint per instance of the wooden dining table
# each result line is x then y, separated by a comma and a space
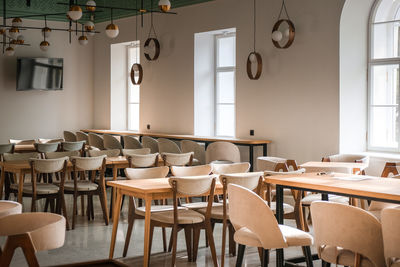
148, 190
349, 185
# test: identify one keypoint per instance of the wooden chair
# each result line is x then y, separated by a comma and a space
74, 146
42, 148
143, 161
9, 208
391, 236
346, 235
168, 146
151, 143
96, 141
240, 167
138, 151
199, 152
81, 136
69, 136
172, 159
131, 142
347, 158
222, 152
256, 226
111, 142
6, 148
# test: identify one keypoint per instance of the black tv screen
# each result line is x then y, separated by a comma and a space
39, 74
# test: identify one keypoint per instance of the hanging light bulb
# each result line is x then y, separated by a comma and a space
83, 40
112, 30
10, 51
16, 22
91, 5
90, 33
21, 39
44, 46
89, 25
75, 13
13, 43
164, 5
13, 32
277, 36
46, 31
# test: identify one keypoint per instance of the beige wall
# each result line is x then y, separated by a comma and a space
45, 114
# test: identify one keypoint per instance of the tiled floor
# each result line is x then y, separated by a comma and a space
91, 241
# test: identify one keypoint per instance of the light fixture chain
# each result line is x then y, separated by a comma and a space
254, 15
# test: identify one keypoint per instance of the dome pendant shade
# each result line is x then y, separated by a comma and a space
16, 22
83, 40
91, 6
13, 43
10, 51
164, 5
75, 13
44, 46
89, 25
14, 32
46, 31
112, 30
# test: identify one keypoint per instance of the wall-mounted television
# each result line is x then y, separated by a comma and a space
39, 74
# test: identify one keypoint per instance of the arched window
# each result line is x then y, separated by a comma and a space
384, 62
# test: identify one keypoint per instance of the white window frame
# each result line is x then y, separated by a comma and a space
223, 69
129, 48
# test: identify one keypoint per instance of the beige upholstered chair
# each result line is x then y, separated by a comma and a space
6, 148
391, 236
9, 208
256, 226
198, 150
143, 161
136, 211
167, 146
81, 136
22, 142
189, 220
151, 143
131, 142
276, 164
73, 146
222, 152
172, 159
81, 186
347, 235
32, 232
138, 151
347, 158
96, 141
240, 167
46, 147
107, 153
111, 142
69, 136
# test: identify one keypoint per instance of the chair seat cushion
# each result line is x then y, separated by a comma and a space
184, 217
246, 237
295, 237
154, 208
9, 208
81, 186
307, 200
41, 189
286, 208
199, 205
342, 256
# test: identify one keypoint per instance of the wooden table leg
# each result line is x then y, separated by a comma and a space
2, 179
20, 186
146, 249
116, 214
114, 192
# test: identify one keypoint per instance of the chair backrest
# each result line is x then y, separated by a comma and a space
47, 147
271, 164
198, 150
22, 142
131, 142
57, 155
7, 148
168, 146
223, 151
107, 153
88, 164
181, 171
148, 173
230, 168
390, 221
81, 136
49, 165
111, 142
138, 151
50, 141
249, 180
347, 158
348, 227
69, 136
172, 159
143, 161
151, 143
247, 209
96, 140
20, 156
73, 146
9, 207
192, 185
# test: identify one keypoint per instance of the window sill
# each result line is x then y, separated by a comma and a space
383, 155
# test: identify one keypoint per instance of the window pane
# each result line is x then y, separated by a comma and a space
133, 122
226, 51
385, 84
226, 87
385, 43
134, 93
383, 127
225, 120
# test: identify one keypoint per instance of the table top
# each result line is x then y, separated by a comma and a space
181, 137
348, 184
322, 164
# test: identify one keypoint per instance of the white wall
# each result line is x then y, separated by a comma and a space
45, 114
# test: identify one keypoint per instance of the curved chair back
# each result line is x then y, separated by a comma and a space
57, 155
249, 180
167, 146
20, 156
69, 136
81, 136
222, 151
22, 142
172, 159
198, 150
143, 161
9, 207
148, 173
247, 209
391, 234
180, 171
131, 142
111, 142
49, 165
96, 140
271, 164
348, 227
139, 151
230, 168
151, 143
107, 153
88, 164
47, 147
193, 185
73, 146
6, 148
347, 158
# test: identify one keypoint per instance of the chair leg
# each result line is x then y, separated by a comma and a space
232, 243
240, 256
308, 256
46, 205
325, 264
111, 202
52, 208
164, 237
75, 210
151, 239
174, 244
64, 210
265, 259
188, 239
131, 221
103, 201
196, 237
12, 243
88, 209
92, 207
209, 231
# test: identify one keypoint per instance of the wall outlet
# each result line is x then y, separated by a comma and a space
148, 126
252, 132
